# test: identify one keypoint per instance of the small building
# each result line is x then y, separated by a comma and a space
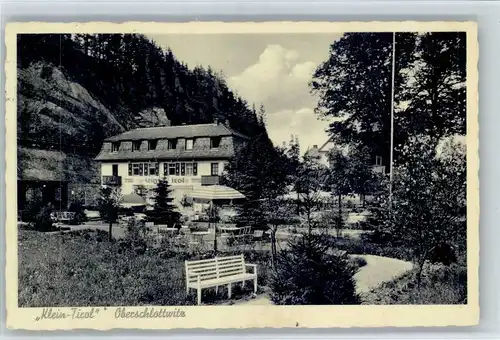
320, 154
54, 177
188, 156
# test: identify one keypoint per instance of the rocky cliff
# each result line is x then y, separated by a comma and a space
60, 125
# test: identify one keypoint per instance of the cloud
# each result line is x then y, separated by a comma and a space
303, 123
278, 79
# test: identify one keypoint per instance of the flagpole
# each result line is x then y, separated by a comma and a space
392, 117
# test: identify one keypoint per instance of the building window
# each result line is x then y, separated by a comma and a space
189, 144
153, 169
172, 144
115, 169
189, 169
214, 169
171, 169
115, 147
214, 142
152, 144
136, 145
378, 160
137, 169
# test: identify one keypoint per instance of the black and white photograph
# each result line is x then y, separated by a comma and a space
243, 169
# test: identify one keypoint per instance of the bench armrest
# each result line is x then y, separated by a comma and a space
252, 265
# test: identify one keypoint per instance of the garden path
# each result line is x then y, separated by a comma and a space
378, 269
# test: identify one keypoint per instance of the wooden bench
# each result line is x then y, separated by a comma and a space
218, 271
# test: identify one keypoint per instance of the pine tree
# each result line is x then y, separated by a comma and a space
308, 274
164, 211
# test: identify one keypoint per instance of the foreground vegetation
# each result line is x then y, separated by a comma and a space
82, 268
444, 285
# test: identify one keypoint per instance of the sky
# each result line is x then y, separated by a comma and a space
269, 69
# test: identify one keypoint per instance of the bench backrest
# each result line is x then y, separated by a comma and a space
215, 268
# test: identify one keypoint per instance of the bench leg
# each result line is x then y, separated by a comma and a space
216, 290
187, 290
255, 285
199, 296
229, 290
243, 284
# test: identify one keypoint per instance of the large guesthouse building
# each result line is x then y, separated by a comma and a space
188, 156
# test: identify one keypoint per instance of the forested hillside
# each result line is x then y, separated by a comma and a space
76, 90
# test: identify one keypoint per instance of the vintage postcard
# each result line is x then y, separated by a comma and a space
242, 175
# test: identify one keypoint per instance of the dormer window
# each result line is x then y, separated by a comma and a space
214, 142
378, 160
136, 145
189, 144
172, 144
115, 146
152, 144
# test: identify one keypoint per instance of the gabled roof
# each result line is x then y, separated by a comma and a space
321, 148
180, 131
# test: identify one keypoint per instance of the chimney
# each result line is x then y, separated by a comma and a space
227, 123
315, 146
216, 121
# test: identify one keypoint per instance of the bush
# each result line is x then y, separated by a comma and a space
308, 275
43, 220
79, 211
138, 237
31, 210
357, 262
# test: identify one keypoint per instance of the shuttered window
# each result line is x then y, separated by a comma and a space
130, 169
195, 169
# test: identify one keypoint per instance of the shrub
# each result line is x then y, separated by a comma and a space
43, 220
308, 275
79, 211
350, 205
443, 253
138, 236
357, 262
31, 210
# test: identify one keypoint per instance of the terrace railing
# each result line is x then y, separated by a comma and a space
112, 180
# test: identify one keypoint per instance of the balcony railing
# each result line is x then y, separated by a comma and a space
112, 180
209, 180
